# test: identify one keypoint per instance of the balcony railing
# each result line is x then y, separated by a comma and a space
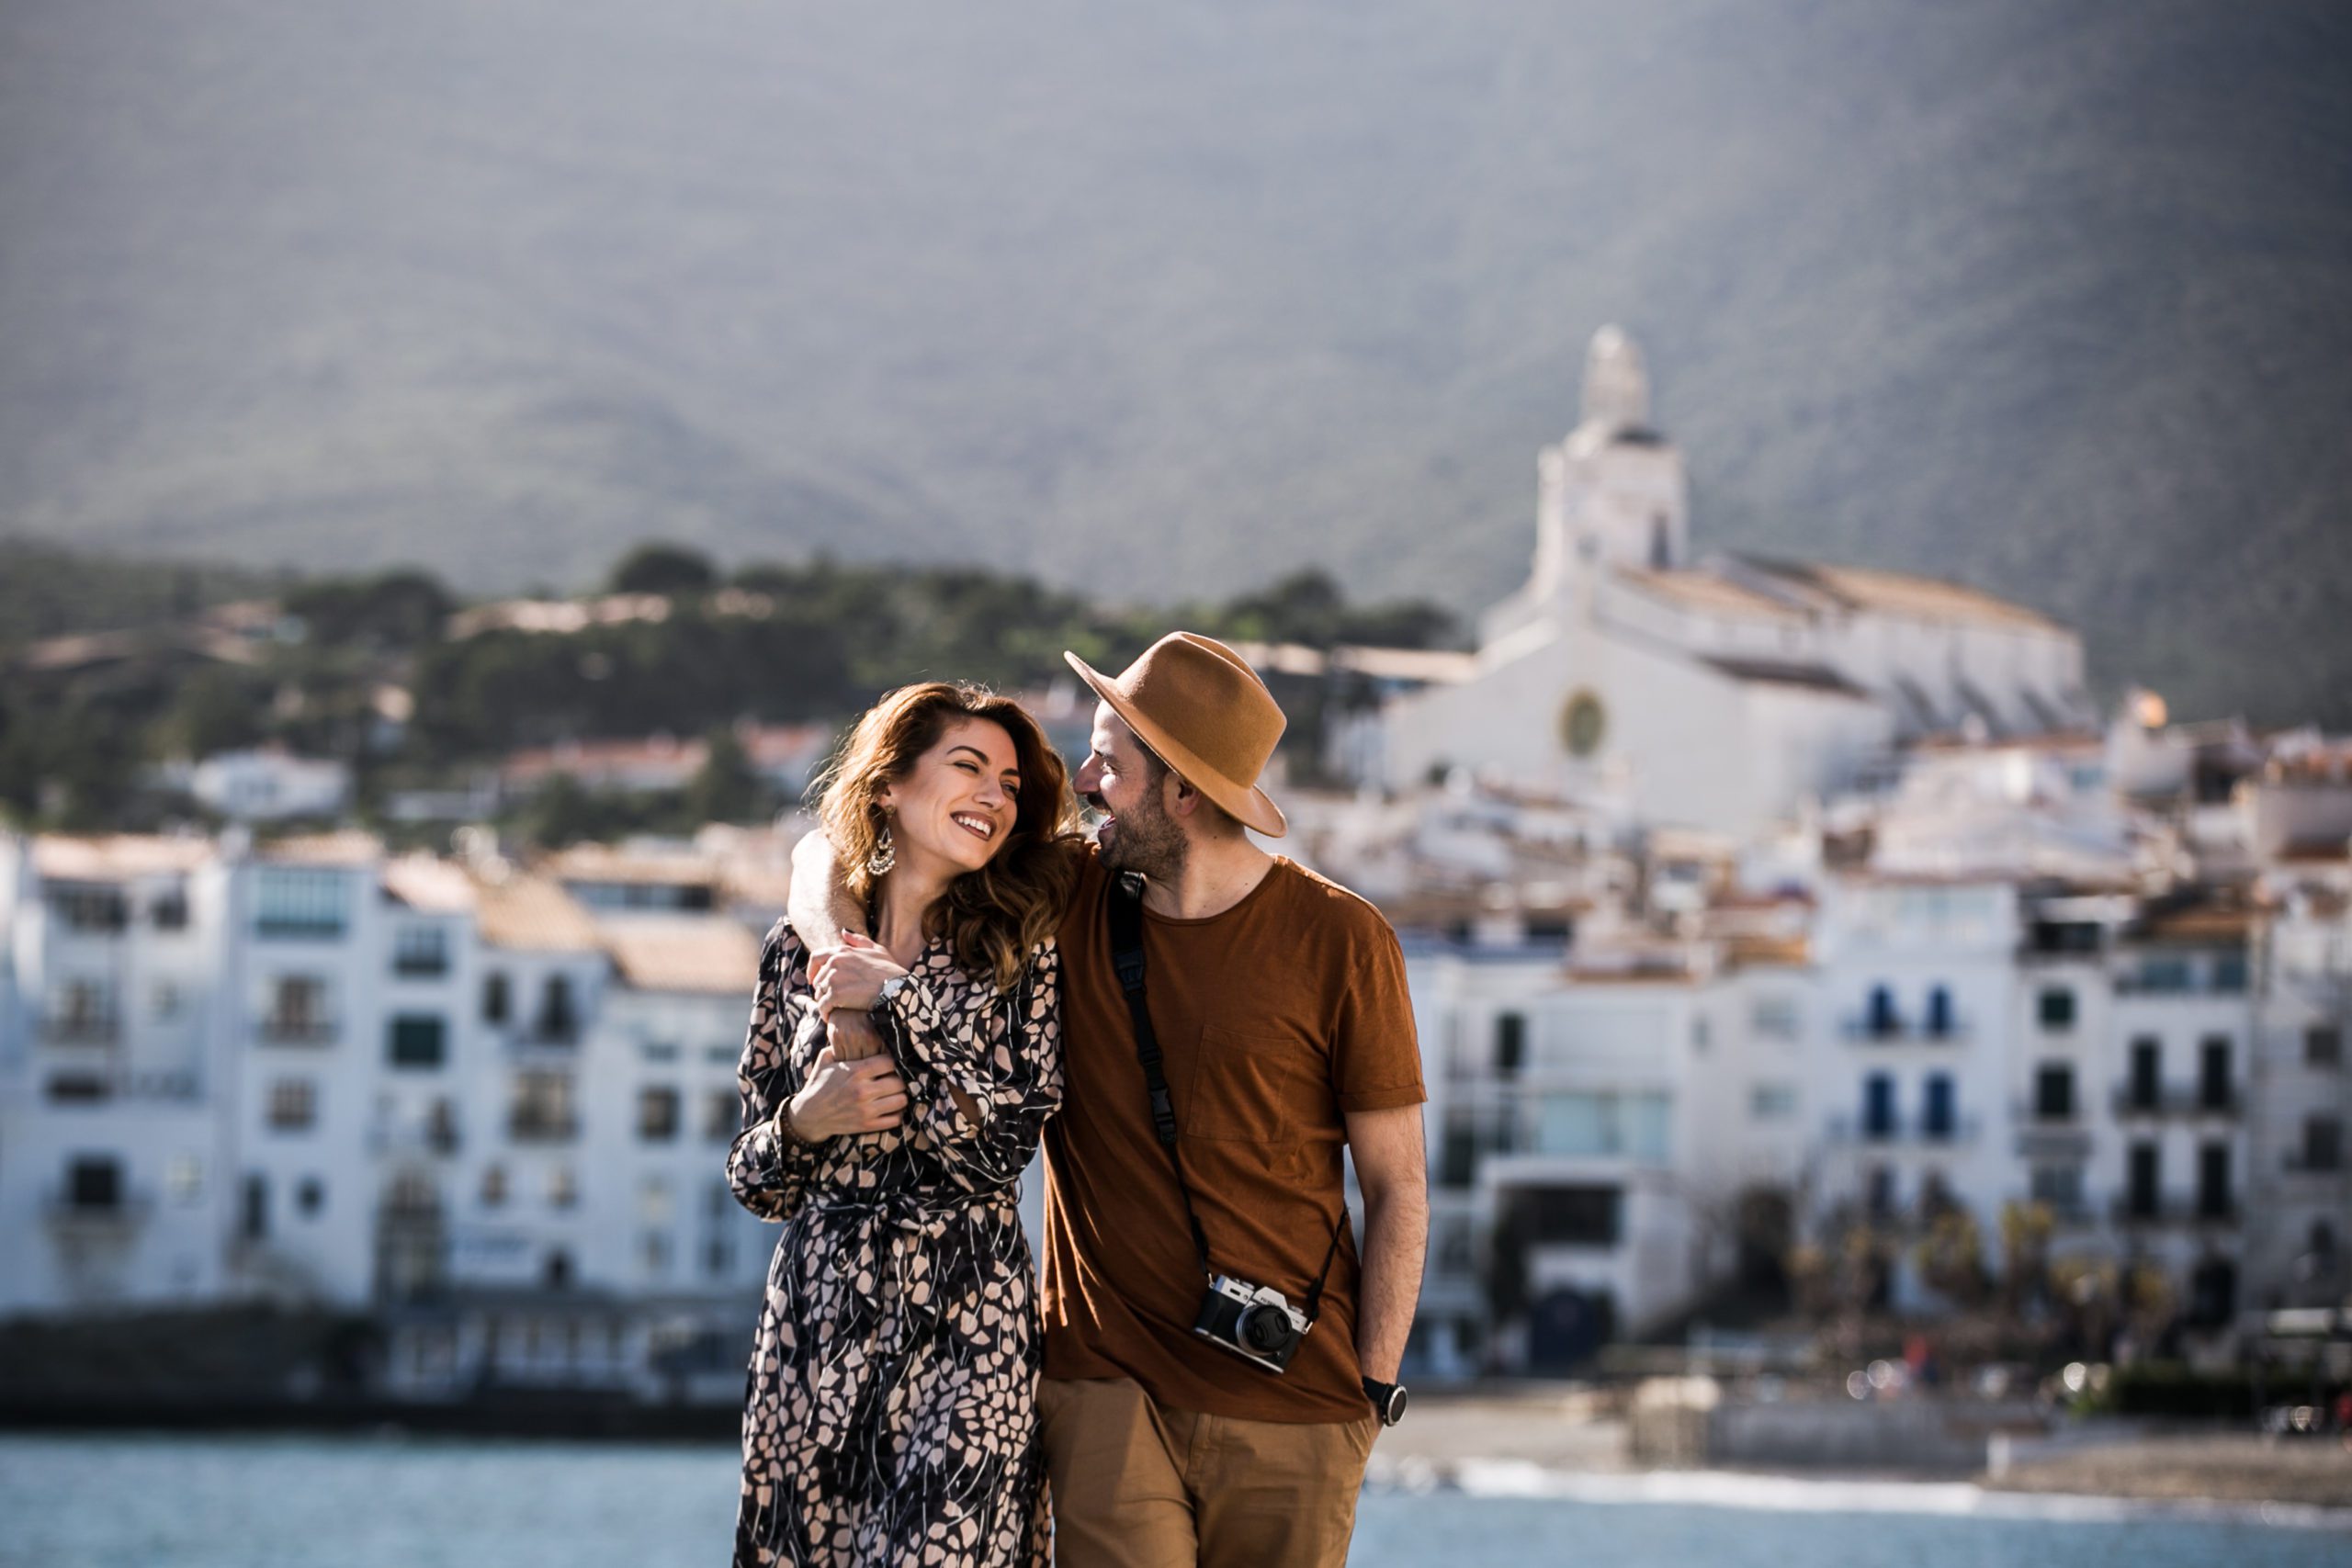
1915, 1132
2174, 1210
1905, 1031
114, 1216
299, 1031
2174, 1099
540, 1128
88, 1029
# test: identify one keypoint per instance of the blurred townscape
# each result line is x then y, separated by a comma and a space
1848, 1033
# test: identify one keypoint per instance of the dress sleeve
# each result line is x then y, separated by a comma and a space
1002, 1050
768, 1171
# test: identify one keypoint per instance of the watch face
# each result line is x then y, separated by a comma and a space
1395, 1411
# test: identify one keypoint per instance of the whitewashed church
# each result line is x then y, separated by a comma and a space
1719, 693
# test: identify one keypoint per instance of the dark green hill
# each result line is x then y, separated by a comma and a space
2049, 296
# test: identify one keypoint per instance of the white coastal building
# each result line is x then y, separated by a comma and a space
448, 1090
1718, 691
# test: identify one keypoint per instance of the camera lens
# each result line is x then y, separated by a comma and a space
1266, 1329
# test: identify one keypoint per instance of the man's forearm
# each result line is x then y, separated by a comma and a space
1396, 1241
819, 906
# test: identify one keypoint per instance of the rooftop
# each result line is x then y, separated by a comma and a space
531, 914
706, 953
116, 857
343, 847
1899, 593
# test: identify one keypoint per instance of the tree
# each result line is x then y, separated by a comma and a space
403, 608
663, 568
725, 789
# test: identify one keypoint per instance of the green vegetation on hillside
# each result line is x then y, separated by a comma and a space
772, 643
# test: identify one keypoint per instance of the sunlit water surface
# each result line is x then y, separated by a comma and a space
392, 1501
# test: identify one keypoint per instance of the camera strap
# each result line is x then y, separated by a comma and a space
1126, 960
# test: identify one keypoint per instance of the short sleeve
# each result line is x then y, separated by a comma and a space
1376, 1052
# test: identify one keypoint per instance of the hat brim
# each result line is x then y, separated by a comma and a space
1245, 803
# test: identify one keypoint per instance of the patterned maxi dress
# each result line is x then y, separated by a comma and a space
889, 1417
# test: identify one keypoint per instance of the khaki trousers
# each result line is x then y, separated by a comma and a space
1137, 1486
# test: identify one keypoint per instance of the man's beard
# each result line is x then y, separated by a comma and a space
1145, 840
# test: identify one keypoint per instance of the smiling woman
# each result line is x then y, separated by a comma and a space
891, 1414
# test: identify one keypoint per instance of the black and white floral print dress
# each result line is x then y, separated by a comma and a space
890, 1413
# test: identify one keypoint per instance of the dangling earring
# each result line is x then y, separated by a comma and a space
885, 855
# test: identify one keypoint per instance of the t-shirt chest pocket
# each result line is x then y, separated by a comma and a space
1260, 1086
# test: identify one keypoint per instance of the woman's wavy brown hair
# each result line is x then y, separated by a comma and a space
992, 917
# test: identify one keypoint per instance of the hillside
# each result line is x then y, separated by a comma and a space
2051, 298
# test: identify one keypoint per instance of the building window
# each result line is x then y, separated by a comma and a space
1878, 1106
1581, 1123
85, 907
2229, 973
1775, 1017
2053, 1093
82, 1014
1878, 1191
542, 1107
420, 951
299, 902
1772, 1102
310, 1196
441, 1126
495, 1000
2213, 1072
164, 1001
298, 1012
2057, 1008
418, 1040
654, 1248
253, 1217
493, 1186
558, 1020
1882, 1020
79, 1088
1569, 1216
1468, 1137
2213, 1181
1510, 1043
293, 1104
2147, 1073
2323, 1144
2058, 1187
563, 1188
1939, 1120
169, 911
2323, 1045
657, 1114
2141, 1174
717, 1257
93, 1182
722, 1114
1940, 1022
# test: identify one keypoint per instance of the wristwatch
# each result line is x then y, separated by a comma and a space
1388, 1400
890, 993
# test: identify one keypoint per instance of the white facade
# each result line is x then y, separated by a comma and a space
268, 785
1722, 693
309, 1072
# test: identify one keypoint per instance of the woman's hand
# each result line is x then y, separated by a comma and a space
865, 1096
851, 975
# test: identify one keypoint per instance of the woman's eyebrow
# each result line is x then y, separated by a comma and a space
982, 756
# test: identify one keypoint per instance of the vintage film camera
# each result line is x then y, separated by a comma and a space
1253, 1321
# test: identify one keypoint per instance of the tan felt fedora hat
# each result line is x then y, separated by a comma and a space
1204, 711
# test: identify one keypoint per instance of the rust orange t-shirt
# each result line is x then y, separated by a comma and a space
1275, 1017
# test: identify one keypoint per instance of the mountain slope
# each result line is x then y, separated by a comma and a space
2051, 298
